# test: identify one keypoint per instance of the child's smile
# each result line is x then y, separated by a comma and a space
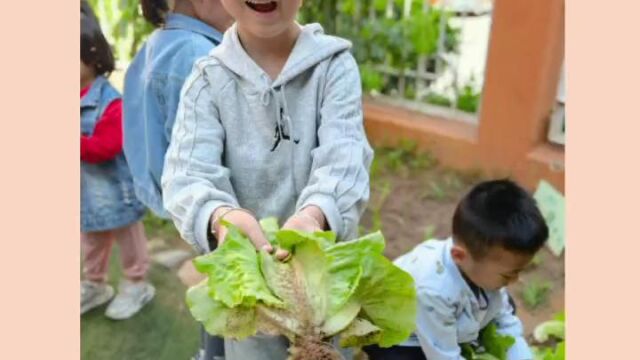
264, 18
262, 6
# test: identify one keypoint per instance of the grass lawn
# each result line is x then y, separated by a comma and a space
163, 330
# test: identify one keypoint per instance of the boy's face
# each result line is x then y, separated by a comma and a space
263, 18
498, 268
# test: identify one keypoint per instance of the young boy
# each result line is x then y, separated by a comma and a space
461, 282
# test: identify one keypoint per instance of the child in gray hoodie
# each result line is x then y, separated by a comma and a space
269, 124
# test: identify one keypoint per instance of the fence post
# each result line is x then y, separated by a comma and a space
523, 67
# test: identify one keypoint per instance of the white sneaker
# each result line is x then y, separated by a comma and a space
199, 355
93, 294
132, 296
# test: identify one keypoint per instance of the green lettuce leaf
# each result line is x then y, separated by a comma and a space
495, 343
237, 322
549, 329
234, 273
348, 289
360, 333
386, 292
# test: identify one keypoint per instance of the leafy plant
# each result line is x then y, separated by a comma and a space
377, 209
422, 161
372, 80
453, 180
536, 261
435, 98
547, 353
347, 289
552, 330
123, 25
494, 343
429, 232
155, 226
536, 293
468, 98
436, 191
491, 345
396, 41
403, 156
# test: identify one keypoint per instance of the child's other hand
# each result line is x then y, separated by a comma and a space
249, 225
310, 219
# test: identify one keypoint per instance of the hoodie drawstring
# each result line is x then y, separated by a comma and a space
287, 118
282, 114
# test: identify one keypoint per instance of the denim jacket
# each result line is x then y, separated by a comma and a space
151, 95
107, 199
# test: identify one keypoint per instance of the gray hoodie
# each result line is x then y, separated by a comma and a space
273, 147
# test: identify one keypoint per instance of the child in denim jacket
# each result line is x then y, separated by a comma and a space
186, 30
110, 211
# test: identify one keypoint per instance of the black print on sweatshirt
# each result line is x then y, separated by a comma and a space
281, 133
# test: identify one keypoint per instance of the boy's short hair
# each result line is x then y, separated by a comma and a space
499, 213
94, 48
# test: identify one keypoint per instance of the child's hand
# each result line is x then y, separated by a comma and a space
310, 219
248, 224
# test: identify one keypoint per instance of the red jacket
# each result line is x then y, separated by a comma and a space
106, 141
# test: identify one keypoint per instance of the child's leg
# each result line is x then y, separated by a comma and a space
213, 346
96, 249
375, 352
133, 292
133, 251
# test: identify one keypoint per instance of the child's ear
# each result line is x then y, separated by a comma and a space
459, 254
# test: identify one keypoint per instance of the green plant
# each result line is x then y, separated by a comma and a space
453, 180
376, 211
491, 345
548, 353
422, 161
436, 191
435, 98
376, 169
429, 232
361, 230
399, 157
123, 25
372, 80
326, 288
536, 293
403, 156
377, 39
547, 332
552, 329
468, 97
536, 261
155, 226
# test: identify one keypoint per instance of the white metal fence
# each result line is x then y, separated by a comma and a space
441, 78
